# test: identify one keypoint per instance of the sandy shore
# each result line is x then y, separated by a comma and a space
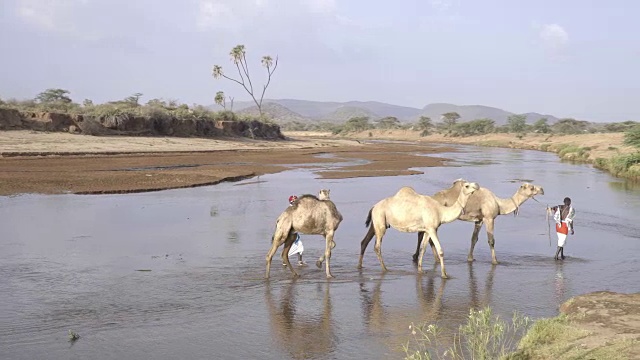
55, 163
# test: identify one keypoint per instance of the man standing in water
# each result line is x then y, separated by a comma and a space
297, 247
563, 215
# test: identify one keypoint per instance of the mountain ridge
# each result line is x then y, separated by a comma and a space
313, 111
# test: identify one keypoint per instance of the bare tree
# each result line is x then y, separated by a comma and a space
239, 58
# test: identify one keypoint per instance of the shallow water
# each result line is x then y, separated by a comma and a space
178, 274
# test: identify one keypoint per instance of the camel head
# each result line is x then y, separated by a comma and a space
324, 194
469, 188
530, 190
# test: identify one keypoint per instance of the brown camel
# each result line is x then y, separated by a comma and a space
408, 211
307, 215
483, 207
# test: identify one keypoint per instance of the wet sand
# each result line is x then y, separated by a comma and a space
64, 163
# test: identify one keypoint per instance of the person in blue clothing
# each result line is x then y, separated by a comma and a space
297, 247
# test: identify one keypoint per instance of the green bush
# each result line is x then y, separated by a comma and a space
632, 136
484, 336
621, 165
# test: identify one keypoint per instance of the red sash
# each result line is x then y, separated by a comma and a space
562, 228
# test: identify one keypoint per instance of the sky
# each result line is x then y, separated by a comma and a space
569, 58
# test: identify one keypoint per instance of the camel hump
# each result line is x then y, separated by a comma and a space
308, 196
406, 191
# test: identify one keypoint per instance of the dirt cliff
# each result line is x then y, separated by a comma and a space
11, 119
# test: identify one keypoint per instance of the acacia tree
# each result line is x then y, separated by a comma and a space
424, 124
517, 123
450, 119
541, 126
54, 96
133, 99
359, 123
389, 122
239, 58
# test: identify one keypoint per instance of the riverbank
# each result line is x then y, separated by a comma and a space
58, 163
604, 151
598, 325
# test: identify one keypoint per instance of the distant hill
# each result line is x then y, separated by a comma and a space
345, 113
533, 117
473, 112
286, 110
274, 111
320, 109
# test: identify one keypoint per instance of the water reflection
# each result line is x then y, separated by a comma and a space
625, 185
560, 283
295, 328
479, 300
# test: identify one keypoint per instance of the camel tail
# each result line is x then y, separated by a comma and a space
368, 222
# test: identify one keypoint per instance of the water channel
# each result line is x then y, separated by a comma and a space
178, 274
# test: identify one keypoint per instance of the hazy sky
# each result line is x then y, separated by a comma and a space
569, 58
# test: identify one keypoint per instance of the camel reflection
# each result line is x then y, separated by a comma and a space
431, 306
380, 318
303, 333
477, 300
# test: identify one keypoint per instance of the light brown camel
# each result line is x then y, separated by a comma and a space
483, 207
408, 211
307, 215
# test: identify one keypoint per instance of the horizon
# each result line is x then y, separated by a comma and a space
569, 60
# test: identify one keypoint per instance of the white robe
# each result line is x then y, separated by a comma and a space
562, 238
297, 246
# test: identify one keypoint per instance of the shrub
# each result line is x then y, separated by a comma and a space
632, 136
484, 336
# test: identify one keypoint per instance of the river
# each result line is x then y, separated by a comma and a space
178, 274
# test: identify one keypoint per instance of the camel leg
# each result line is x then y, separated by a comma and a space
434, 251
436, 242
288, 243
276, 241
327, 252
492, 240
321, 258
423, 246
420, 237
378, 247
474, 239
364, 243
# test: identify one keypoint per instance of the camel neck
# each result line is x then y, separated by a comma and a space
509, 205
452, 212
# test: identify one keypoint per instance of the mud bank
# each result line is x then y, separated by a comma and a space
598, 325
76, 164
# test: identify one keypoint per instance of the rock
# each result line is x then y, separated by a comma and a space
125, 124
45, 121
10, 119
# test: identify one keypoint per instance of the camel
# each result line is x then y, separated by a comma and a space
483, 207
408, 211
323, 194
307, 215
